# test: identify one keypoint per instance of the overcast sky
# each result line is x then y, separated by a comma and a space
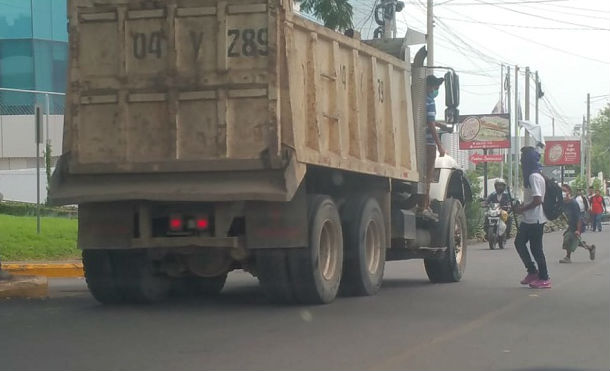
566, 41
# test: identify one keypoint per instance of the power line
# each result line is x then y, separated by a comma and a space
541, 44
518, 26
543, 17
509, 2
571, 13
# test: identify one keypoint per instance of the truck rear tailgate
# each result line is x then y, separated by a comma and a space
177, 85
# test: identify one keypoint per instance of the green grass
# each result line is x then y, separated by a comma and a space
19, 240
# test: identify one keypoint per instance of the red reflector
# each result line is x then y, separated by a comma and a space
203, 223
175, 223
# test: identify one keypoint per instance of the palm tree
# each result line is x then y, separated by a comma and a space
336, 14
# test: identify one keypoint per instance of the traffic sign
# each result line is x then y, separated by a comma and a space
475, 158
551, 171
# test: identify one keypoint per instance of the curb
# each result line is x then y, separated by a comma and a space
53, 270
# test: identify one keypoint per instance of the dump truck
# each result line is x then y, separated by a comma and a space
206, 136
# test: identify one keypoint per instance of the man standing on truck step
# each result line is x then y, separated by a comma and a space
433, 141
531, 227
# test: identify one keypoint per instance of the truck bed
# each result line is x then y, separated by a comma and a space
242, 86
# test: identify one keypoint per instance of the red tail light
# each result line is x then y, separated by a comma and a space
175, 223
203, 223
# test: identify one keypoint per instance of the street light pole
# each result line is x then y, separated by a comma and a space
430, 34
517, 139
527, 103
588, 138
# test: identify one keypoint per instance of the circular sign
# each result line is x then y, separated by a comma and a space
555, 153
470, 129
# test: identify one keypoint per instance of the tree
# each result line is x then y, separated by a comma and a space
600, 140
336, 14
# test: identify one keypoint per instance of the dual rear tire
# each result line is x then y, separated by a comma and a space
123, 276
346, 254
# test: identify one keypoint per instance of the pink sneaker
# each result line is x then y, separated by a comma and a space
531, 277
541, 284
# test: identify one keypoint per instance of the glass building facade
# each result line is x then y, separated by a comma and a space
33, 50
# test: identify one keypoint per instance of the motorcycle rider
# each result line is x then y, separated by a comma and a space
500, 196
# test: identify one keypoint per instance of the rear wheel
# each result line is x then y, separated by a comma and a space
307, 275
364, 245
137, 278
450, 268
99, 274
317, 270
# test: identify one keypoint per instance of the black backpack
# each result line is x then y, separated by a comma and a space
553, 199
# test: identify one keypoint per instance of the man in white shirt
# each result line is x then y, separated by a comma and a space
531, 228
583, 204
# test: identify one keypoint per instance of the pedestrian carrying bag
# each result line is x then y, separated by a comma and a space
553, 199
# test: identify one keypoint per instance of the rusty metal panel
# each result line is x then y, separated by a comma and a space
179, 80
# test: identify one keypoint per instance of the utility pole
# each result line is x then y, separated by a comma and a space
588, 138
430, 34
582, 148
527, 103
517, 139
502, 107
510, 150
553, 123
538, 91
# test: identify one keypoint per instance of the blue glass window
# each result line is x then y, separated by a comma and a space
15, 19
42, 27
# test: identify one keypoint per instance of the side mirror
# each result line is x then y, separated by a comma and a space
452, 115
452, 90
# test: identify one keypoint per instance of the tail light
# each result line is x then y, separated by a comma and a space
202, 223
176, 223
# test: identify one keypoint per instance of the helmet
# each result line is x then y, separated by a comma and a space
499, 181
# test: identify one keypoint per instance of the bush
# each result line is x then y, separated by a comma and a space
27, 209
474, 212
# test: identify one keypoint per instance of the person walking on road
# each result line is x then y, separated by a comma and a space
571, 237
598, 206
533, 219
583, 205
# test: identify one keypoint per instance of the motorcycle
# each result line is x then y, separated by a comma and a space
496, 222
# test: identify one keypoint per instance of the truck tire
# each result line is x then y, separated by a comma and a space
136, 278
451, 266
317, 270
308, 275
273, 276
364, 247
99, 274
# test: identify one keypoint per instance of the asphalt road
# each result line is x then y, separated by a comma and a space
486, 322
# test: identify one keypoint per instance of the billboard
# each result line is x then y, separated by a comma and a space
562, 152
484, 131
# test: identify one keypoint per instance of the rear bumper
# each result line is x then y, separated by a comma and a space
208, 186
177, 242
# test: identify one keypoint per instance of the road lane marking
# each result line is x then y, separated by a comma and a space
398, 361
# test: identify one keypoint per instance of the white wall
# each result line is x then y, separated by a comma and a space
20, 185
17, 135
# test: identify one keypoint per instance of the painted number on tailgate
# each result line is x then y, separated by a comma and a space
247, 42
145, 44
